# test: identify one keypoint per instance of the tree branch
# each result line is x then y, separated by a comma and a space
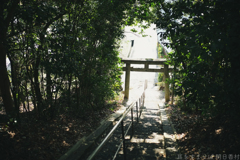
10, 14
54, 19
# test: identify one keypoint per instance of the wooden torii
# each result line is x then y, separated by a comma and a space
146, 68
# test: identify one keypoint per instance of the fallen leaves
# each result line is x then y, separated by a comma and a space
199, 135
218, 131
48, 139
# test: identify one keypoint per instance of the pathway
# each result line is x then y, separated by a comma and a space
144, 47
153, 137
148, 140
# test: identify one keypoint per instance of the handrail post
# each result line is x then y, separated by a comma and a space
137, 110
173, 83
143, 98
145, 84
140, 102
123, 137
131, 107
140, 106
132, 121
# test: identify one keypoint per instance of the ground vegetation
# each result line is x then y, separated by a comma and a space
204, 38
64, 69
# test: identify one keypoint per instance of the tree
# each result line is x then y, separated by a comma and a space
204, 35
7, 12
62, 52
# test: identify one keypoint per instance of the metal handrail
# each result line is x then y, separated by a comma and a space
109, 135
141, 101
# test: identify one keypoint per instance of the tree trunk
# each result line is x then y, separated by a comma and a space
49, 86
15, 87
4, 79
37, 87
5, 84
69, 89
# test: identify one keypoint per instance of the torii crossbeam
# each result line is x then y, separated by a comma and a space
146, 68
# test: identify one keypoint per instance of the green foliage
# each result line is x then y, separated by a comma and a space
205, 37
160, 77
64, 54
160, 55
160, 51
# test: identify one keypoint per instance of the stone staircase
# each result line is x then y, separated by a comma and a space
153, 138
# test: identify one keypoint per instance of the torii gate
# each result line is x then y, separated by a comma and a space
146, 68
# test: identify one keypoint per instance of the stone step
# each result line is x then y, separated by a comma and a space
148, 149
148, 139
153, 137
141, 157
170, 143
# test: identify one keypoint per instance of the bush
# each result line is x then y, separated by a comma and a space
160, 77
